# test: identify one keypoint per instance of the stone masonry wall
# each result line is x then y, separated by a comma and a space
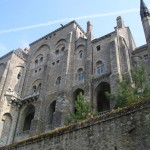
123, 129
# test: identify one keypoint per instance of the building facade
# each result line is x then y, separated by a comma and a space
39, 86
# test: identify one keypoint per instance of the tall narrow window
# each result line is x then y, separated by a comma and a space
41, 59
51, 113
58, 80
57, 52
63, 48
98, 47
146, 57
99, 67
81, 54
27, 122
19, 75
36, 62
39, 86
34, 88
29, 116
80, 74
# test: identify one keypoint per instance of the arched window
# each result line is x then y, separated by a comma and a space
99, 67
36, 62
75, 95
19, 75
41, 59
57, 52
80, 54
6, 128
29, 116
63, 48
80, 75
39, 86
34, 88
58, 80
51, 112
103, 102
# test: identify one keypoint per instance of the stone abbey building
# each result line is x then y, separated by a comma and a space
38, 86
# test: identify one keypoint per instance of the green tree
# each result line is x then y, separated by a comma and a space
132, 90
83, 110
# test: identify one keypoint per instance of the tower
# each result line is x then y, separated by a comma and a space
145, 17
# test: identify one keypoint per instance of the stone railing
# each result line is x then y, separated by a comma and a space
103, 113
16, 100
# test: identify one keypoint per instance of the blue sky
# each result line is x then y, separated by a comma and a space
29, 14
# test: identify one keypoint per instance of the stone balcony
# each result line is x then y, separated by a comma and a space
16, 100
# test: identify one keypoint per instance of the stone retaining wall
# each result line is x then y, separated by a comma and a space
122, 129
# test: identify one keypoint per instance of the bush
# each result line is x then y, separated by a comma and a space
132, 90
83, 110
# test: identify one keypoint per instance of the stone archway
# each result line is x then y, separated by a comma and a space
50, 115
75, 95
27, 117
5, 135
102, 101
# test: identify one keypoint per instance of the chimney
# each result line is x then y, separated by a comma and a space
89, 27
89, 30
27, 50
120, 22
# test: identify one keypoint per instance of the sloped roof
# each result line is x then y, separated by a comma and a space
59, 30
19, 52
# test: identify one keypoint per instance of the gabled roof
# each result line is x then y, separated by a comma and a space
19, 52
59, 30
103, 37
140, 49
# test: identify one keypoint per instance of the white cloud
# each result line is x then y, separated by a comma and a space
69, 19
3, 49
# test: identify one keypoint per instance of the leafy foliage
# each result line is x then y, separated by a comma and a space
132, 91
83, 110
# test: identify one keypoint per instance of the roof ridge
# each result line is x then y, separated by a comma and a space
59, 30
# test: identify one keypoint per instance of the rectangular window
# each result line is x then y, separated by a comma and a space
100, 69
146, 57
98, 47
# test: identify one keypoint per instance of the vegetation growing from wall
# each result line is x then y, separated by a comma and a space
83, 110
132, 91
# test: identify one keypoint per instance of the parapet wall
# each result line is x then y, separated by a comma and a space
122, 129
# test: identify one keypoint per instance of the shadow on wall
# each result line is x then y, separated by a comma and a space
102, 102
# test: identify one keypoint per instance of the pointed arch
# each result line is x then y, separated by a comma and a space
50, 114
75, 95
102, 101
6, 128
28, 116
